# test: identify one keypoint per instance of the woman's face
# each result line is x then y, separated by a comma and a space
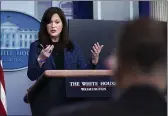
55, 26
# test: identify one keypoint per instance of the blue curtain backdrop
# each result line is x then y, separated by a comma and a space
83, 9
144, 8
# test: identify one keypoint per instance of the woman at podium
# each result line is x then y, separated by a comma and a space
55, 51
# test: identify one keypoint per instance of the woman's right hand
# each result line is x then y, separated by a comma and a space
44, 54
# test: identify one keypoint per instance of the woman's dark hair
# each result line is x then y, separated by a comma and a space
43, 35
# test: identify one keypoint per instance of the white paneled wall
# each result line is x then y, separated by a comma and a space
115, 10
159, 10
27, 7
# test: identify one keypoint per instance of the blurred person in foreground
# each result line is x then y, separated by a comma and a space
140, 74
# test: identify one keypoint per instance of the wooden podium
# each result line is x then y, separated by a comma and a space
43, 95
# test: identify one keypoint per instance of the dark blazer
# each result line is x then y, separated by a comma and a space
136, 101
72, 60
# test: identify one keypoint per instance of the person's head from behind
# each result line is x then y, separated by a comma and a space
142, 54
53, 26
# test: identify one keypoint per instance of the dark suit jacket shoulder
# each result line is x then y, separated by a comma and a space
136, 101
97, 108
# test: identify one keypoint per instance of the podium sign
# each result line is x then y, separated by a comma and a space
89, 87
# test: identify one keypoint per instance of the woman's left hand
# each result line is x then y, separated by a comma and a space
95, 52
